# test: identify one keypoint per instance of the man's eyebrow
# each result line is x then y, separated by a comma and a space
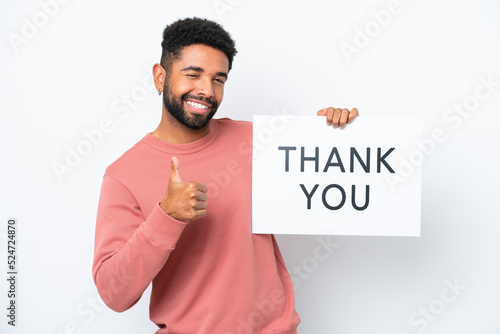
193, 68
201, 70
222, 74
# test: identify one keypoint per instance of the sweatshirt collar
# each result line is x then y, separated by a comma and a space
187, 148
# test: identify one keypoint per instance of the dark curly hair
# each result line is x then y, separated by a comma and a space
185, 32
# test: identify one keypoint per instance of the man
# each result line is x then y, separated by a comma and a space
210, 274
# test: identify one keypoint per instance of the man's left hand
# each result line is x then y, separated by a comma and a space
337, 117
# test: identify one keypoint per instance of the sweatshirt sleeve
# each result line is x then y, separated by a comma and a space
130, 249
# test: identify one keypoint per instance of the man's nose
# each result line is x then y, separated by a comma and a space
205, 88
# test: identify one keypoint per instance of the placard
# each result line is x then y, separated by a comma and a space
309, 178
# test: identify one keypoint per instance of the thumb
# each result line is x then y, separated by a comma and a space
322, 112
174, 171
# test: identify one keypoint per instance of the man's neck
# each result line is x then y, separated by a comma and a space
172, 131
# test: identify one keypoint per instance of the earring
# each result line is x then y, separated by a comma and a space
159, 92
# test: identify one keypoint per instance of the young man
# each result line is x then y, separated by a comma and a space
210, 274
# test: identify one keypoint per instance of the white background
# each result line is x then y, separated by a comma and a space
80, 64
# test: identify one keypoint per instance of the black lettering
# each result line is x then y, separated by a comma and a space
287, 149
309, 195
366, 166
325, 203
381, 159
304, 158
339, 163
367, 198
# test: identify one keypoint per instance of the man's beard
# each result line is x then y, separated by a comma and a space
175, 107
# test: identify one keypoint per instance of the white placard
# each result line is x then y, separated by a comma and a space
311, 179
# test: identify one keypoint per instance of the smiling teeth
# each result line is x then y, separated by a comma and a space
196, 105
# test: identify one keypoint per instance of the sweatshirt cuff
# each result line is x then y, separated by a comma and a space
162, 229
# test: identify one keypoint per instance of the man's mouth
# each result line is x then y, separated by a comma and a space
196, 107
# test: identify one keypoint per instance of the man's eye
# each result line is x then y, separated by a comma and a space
220, 81
192, 75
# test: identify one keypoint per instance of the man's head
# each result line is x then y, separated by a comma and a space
197, 56
191, 31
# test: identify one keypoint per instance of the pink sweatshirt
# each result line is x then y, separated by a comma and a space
211, 275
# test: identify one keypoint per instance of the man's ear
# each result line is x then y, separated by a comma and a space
159, 77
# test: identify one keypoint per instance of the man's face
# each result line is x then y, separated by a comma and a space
194, 89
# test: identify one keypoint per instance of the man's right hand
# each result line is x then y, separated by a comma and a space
184, 201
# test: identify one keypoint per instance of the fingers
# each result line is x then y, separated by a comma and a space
329, 116
200, 214
184, 201
197, 192
343, 118
201, 187
174, 171
198, 201
333, 117
322, 112
200, 205
352, 115
337, 117
200, 196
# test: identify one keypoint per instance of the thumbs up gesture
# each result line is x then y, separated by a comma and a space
184, 201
